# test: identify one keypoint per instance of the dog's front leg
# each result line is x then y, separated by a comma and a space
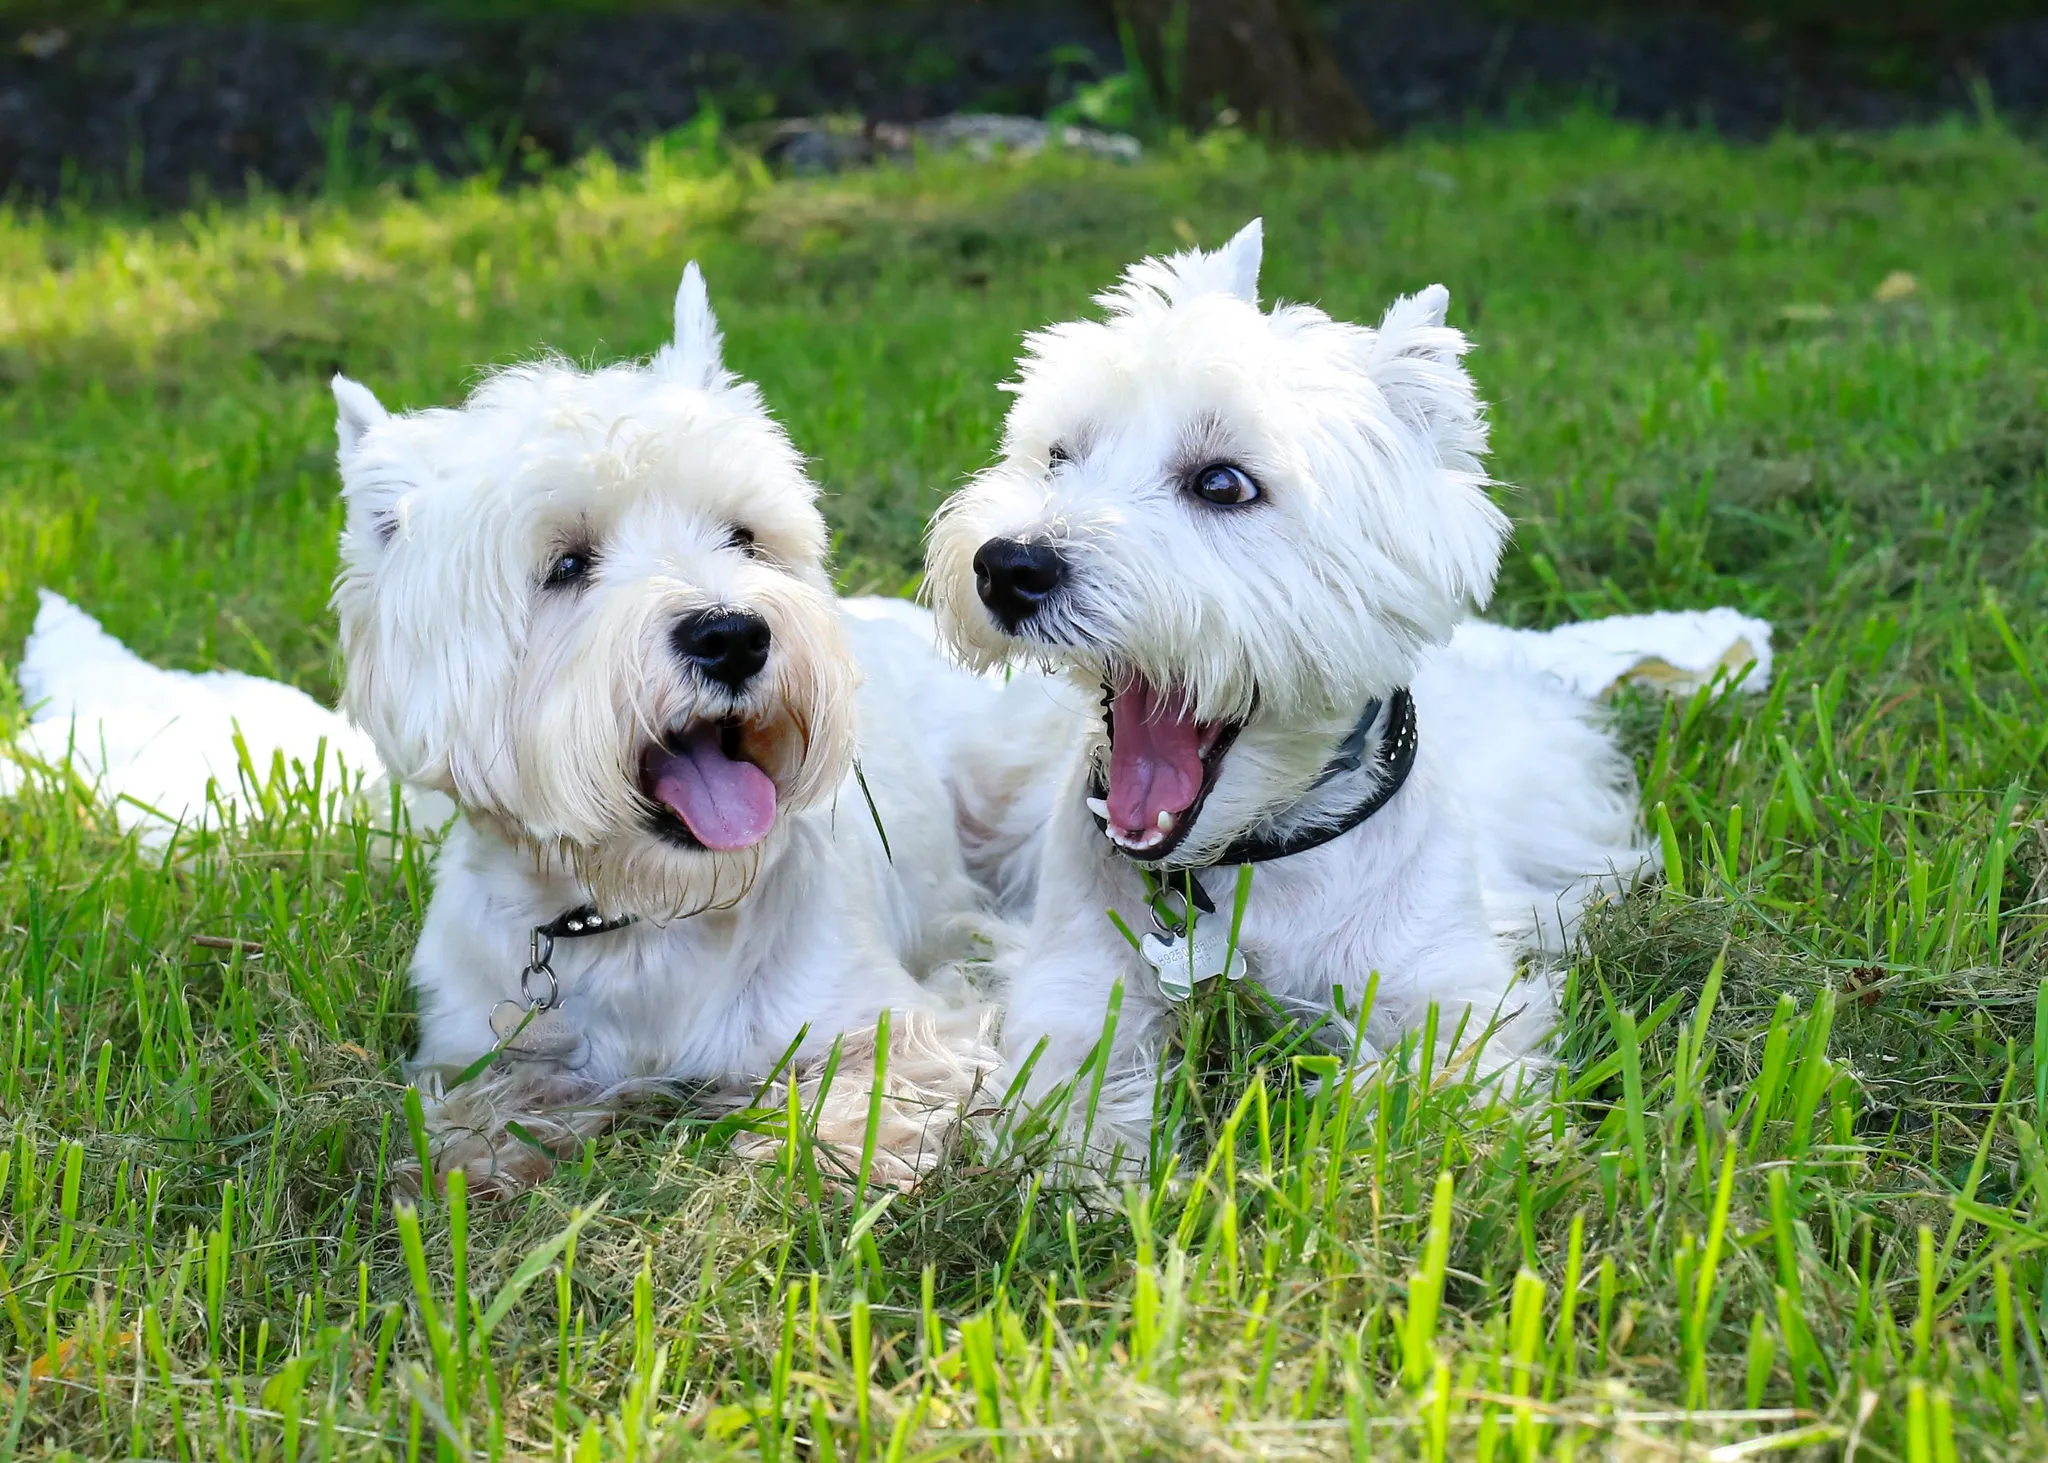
1092, 1037
506, 1125
1489, 1018
898, 1108
932, 1076
504, 1128
1084, 1012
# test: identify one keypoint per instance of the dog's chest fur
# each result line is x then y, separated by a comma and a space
709, 997
1389, 901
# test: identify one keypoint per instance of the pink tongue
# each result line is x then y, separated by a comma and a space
1155, 758
726, 804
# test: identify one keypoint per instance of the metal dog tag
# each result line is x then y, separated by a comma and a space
548, 1037
1185, 961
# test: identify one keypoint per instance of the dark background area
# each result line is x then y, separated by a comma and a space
160, 101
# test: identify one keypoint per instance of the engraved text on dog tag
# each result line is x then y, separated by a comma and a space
1185, 961
547, 1037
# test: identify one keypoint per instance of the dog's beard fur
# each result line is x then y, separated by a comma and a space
546, 748
604, 687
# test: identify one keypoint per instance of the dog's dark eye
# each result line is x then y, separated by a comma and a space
742, 538
1056, 454
1224, 484
571, 567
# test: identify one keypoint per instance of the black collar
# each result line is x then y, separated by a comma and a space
574, 925
1393, 758
580, 921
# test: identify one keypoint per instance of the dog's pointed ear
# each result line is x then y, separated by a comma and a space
696, 355
370, 495
1417, 361
1174, 279
1242, 256
1425, 310
1413, 346
356, 411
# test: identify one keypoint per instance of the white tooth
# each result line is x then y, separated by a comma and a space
1099, 807
1165, 821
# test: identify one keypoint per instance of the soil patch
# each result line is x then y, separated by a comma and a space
159, 110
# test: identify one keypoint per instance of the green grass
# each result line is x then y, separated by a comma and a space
1794, 1190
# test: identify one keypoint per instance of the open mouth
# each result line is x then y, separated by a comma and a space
706, 791
1162, 764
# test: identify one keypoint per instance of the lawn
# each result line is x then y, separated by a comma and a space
1792, 1192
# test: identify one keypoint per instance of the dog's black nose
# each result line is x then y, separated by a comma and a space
1016, 579
729, 646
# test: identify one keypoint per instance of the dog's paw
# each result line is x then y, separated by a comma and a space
936, 1076
492, 1168
504, 1131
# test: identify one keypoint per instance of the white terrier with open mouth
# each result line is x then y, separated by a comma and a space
1245, 538
591, 607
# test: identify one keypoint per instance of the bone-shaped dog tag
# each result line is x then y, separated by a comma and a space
548, 1037
1185, 961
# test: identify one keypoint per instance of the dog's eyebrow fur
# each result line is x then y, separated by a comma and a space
1205, 439
573, 533
1078, 442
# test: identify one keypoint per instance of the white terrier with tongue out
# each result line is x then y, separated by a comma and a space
1245, 537
592, 608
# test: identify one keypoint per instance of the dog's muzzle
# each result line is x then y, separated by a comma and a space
1015, 579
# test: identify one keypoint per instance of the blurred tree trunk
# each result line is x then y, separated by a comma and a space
1268, 60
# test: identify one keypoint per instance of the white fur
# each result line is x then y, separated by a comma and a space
531, 706
1677, 651
1373, 538
159, 746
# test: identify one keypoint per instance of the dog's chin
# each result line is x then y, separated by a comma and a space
653, 875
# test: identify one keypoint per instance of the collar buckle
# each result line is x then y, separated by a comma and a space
537, 1030
537, 964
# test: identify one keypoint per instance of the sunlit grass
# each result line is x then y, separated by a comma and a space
1794, 1185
